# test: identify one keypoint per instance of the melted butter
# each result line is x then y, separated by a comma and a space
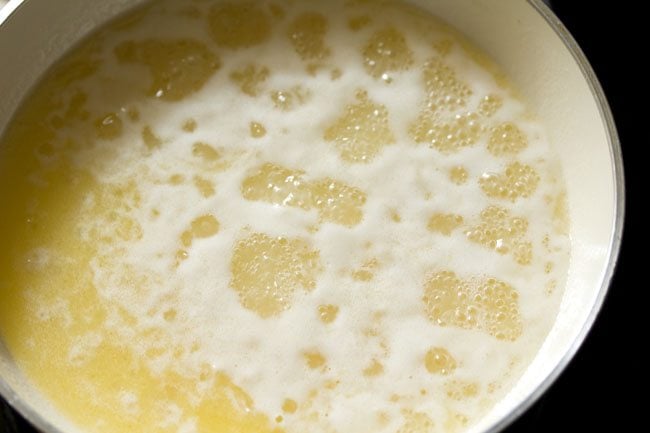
238, 25
189, 125
201, 227
289, 99
113, 383
358, 22
443, 89
250, 78
257, 130
208, 154
455, 422
489, 105
366, 271
439, 361
289, 406
267, 272
517, 181
96, 176
506, 139
307, 35
458, 175
361, 132
503, 233
109, 127
327, 313
151, 140
416, 422
446, 93
461, 390
448, 136
335, 201
204, 186
444, 223
487, 304
315, 360
373, 369
386, 52
178, 68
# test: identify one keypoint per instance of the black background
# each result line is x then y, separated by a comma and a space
596, 389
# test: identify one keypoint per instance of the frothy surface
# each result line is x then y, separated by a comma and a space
325, 216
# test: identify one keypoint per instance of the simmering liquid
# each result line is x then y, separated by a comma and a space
324, 216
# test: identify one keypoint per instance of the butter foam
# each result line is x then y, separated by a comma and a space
316, 281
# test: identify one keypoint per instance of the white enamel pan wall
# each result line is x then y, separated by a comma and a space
540, 58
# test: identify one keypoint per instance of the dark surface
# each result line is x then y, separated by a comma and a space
595, 390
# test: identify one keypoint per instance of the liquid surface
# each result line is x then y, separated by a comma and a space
325, 216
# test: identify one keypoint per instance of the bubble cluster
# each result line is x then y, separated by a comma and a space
506, 139
444, 89
455, 422
278, 185
444, 223
236, 25
503, 233
447, 136
268, 271
439, 123
386, 51
335, 201
307, 35
178, 67
461, 390
517, 181
338, 202
416, 422
250, 78
489, 105
439, 361
480, 303
361, 132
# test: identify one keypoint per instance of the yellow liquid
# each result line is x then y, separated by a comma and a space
67, 224
97, 388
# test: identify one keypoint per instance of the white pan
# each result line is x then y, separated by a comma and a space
542, 61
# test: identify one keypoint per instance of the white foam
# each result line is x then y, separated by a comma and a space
264, 356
